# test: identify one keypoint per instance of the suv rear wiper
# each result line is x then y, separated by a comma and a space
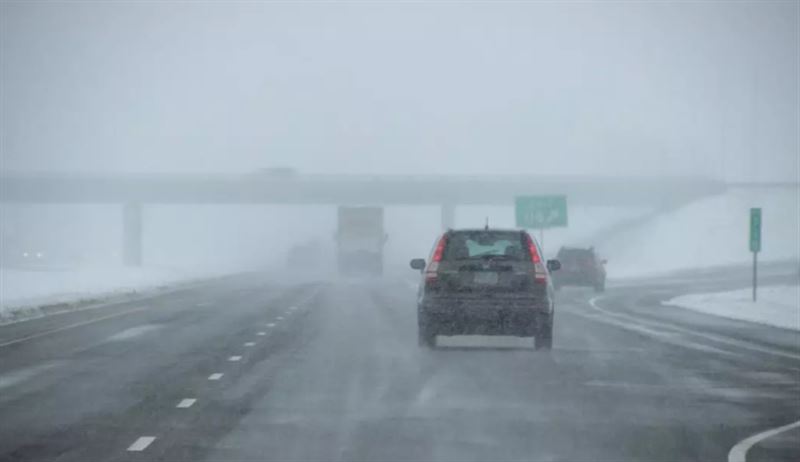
487, 256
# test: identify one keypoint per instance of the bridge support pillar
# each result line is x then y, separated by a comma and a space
132, 234
448, 216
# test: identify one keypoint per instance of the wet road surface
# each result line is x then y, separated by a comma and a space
251, 369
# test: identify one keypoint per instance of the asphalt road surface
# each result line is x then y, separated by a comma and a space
252, 369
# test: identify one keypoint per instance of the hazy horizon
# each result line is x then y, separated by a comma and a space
708, 89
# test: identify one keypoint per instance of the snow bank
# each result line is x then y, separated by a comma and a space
707, 233
24, 290
776, 306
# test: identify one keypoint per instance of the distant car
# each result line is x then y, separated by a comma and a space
486, 282
580, 267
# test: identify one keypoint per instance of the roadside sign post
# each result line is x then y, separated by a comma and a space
755, 274
541, 212
755, 244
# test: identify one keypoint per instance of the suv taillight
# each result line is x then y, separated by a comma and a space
540, 271
431, 272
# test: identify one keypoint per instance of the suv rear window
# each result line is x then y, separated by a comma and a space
464, 245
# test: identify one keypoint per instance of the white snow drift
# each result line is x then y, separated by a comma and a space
776, 306
707, 233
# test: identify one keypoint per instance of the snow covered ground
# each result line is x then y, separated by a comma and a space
707, 233
776, 306
28, 289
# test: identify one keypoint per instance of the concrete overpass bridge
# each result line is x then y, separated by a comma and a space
446, 191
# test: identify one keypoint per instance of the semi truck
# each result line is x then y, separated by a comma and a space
360, 239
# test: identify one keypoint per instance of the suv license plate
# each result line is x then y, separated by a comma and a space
486, 278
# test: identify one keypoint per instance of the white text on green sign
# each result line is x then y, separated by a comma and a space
541, 211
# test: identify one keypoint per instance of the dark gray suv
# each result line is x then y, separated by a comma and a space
486, 282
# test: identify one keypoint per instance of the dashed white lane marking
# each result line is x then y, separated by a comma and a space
292, 308
249, 344
235, 358
72, 326
279, 318
142, 443
186, 403
739, 452
216, 376
261, 334
203, 304
270, 324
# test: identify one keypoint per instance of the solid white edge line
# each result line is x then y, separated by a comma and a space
105, 304
742, 344
738, 453
188, 402
186, 287
235, 358
72, 326
215, 376
141, 443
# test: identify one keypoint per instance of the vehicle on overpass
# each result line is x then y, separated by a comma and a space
580, 267
486, 282
280, 173
360, 239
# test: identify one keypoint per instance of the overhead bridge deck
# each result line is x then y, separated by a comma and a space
446, 191
350, 189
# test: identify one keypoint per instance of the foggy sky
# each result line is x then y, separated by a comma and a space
589, 88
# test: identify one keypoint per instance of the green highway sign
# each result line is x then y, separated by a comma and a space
755, 230
541, 211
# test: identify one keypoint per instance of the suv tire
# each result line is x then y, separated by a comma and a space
426, 338
426, 335
544, 337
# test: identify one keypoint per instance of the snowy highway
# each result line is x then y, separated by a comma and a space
254, 230
248, 369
